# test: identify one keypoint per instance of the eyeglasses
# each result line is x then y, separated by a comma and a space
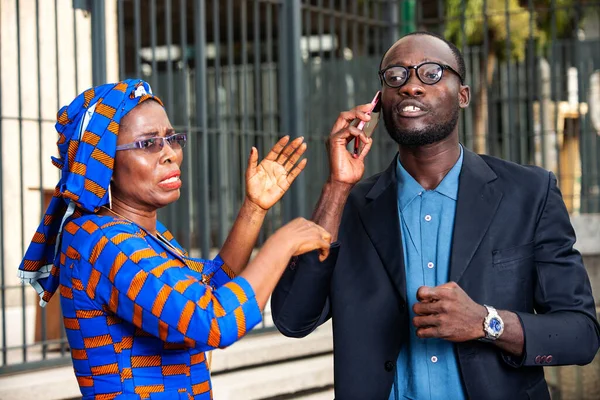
429, 73
155, 144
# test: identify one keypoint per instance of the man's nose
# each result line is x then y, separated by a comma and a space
413, 86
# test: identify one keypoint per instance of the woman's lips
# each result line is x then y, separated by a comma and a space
171, 183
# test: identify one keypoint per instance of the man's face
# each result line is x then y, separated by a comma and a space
417, 114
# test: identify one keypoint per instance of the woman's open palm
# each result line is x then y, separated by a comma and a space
267, 182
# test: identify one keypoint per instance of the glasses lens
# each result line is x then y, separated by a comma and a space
180, 140
395, 76
177, 141
430, 73
152, 145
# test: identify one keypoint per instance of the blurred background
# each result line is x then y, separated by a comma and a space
242, 73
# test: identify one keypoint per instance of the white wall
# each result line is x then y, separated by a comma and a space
61, 79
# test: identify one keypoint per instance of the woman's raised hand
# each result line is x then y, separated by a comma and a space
267, 182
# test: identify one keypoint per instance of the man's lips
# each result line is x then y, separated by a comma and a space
411, 109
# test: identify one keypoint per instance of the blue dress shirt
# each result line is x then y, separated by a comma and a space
426, 368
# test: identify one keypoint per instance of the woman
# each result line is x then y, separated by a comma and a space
138, 311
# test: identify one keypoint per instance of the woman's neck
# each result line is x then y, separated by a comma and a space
145, 219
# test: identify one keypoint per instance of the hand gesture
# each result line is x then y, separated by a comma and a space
447, 312
346, 167
304, 236
268, 181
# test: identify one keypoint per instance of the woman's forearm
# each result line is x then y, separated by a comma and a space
240, 242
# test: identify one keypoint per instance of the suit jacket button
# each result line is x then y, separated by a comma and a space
549, 359
538, 359
389, 366
542, 359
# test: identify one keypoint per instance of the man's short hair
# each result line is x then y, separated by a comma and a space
458, 57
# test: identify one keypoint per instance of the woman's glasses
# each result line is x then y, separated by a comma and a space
155, 144
429, 73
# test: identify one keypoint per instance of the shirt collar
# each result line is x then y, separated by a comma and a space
409, 188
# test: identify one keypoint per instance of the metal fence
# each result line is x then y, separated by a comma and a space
238, 73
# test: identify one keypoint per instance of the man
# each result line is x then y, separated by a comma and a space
454, 275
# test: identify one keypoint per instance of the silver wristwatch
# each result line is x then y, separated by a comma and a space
493, 326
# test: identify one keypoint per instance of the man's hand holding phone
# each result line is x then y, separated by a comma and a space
348, 167
369, 126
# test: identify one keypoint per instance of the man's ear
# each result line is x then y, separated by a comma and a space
464, 96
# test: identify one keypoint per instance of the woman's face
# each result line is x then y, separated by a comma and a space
146, 180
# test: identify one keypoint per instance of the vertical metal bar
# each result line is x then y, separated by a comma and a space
463, 46
553, 80
169, 40
440, 14
391, 15
186, 120
153, 41
58, 83
489, 136
522, 102
174, 222
292, 10
121, 22
21, 171
232, 123
221, 137
378, 31
343, 33
595, 150
366, 36
75, 53
354, 28
271, 128
531, 77
40, 169
507, 142
257, 69
583, 149
98, 42
2, 253
137, 22
245, 131
271, 95
200, 46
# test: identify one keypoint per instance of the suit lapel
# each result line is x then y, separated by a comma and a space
380, 219
476, 206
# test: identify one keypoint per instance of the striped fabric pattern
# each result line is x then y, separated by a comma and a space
139, 316
87, 129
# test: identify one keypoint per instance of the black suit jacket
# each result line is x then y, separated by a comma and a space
512, 248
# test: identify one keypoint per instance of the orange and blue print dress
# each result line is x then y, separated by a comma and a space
139, 313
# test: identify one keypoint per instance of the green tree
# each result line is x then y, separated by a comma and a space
503, 21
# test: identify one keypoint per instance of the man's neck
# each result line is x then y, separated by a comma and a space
429, 164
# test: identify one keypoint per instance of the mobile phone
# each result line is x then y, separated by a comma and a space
368, 127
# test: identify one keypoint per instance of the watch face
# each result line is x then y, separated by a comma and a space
495, 325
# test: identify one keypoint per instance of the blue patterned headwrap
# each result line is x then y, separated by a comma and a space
88, 129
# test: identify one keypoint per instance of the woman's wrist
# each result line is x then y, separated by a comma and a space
250, 208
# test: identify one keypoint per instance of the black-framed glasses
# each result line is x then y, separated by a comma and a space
428, 72
155, 144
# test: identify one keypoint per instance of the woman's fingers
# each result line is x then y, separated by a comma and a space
293, 174
293, 159
289, 150
277, 148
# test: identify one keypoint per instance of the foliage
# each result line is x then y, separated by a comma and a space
521, 25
